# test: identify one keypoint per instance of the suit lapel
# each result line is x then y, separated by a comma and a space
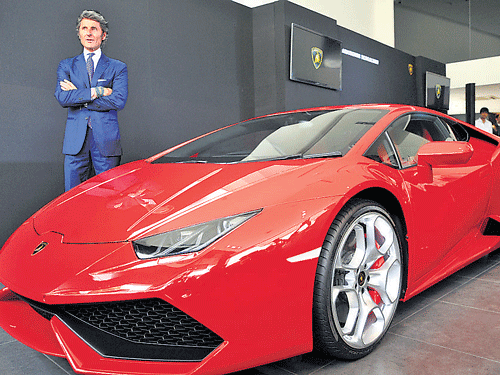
99, 70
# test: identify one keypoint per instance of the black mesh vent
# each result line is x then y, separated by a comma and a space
150, 321
149, 329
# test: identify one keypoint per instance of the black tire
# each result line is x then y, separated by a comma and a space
358, 281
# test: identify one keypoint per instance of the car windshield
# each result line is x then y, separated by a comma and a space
309, 134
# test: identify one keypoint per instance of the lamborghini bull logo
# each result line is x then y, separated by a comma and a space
39, 248
439, 90
317, 56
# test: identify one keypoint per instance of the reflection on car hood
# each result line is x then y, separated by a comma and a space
139, 199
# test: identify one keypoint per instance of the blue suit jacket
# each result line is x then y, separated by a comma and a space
102, 111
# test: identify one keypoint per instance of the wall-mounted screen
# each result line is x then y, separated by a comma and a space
437, 91
315, 58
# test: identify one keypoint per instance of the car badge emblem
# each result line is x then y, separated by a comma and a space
438, 91
317, 56
40, 247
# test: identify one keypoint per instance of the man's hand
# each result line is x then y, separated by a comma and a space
97, 92
67, 85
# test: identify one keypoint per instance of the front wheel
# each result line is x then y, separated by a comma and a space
358, 281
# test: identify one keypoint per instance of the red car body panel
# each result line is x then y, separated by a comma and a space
254, 286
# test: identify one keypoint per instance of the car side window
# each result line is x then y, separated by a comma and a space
383, 151
407, 134
458, 130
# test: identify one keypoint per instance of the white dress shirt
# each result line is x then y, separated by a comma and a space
95, 58
486, 125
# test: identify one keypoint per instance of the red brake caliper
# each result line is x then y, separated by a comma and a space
373, 293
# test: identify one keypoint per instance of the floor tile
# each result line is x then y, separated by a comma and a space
62, 363
444, 287
477, 268
456, 327
481, 293
304, 364
18, 359
398, 355
492, 274
5, 338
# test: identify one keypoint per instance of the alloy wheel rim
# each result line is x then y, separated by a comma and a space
366, 280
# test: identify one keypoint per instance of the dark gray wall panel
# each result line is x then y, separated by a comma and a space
193, 66
362, 82
190, 71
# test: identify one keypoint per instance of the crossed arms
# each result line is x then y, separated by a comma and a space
111, 95
67, 85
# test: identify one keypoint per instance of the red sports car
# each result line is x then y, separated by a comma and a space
259, 241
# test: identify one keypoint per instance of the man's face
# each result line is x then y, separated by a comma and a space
91, 35
484, 115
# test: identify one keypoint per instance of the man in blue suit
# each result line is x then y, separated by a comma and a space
93, 87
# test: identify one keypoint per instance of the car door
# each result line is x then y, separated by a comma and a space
446, 207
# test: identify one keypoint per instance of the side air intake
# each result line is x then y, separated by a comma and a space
492, 228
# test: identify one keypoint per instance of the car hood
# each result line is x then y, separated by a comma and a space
141, 199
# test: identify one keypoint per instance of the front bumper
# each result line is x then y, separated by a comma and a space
254, 292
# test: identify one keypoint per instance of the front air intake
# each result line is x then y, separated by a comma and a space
148, 329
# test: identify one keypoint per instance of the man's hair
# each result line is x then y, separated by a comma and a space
93, 15
484, 109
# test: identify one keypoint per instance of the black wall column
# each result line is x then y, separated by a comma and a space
470, 102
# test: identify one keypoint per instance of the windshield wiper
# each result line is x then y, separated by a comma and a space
192, 161
287, 157
283, 157
333, 154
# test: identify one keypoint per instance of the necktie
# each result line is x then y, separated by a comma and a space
90, 70
90, 66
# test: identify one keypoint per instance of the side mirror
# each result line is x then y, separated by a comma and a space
435, 154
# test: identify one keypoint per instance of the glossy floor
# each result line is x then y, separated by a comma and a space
453, 328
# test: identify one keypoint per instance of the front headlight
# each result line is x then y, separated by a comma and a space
190, 239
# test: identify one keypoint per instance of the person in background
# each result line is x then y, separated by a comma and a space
93, 87
482, 122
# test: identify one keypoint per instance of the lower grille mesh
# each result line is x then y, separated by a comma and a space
148, 329
150, 321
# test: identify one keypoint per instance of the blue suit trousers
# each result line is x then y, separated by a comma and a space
79, 167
